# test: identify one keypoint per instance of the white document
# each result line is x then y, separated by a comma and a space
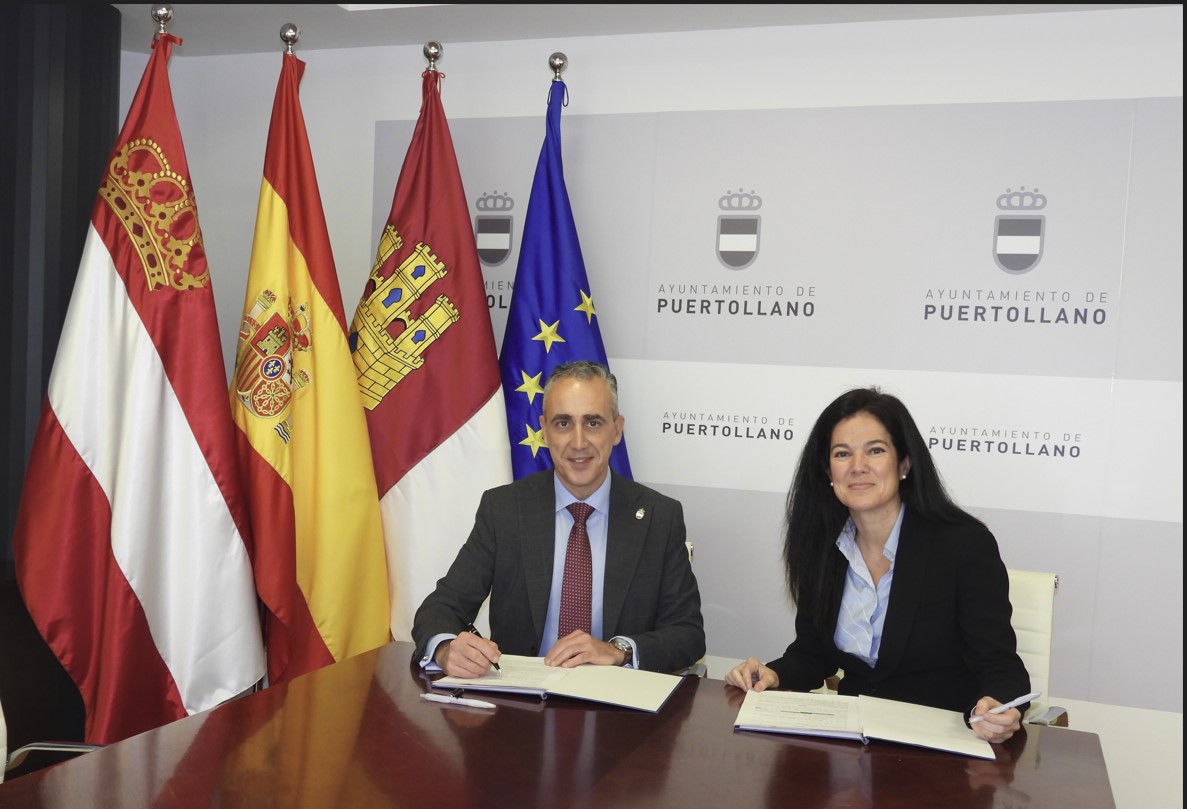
517, 675
861, 719
613, 685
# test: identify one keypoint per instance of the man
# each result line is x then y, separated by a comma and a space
646, 607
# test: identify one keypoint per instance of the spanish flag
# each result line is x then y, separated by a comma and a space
319, 556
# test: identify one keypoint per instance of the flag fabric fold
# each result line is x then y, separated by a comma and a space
131, 539
318, 539
551, 318
427, 368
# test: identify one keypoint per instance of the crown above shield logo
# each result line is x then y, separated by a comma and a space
1017, 236
737, 233
493, 228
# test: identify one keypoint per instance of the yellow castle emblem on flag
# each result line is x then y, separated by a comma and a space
381, 359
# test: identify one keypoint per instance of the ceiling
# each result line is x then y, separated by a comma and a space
217, 30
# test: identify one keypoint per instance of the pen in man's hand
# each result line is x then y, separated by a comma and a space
1014, 703
473, 629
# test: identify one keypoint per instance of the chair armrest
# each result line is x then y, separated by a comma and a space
831, 684
1054, 716
16, 757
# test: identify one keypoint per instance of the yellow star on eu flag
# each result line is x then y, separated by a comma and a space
548, 335
535, 440
531, 385
586, 306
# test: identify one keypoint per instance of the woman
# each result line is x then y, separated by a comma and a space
892, 581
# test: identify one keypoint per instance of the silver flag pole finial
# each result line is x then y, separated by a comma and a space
432, 53
289, 34
558, 61
162, 14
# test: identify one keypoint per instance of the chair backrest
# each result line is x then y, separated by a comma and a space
699, 668
1032, 595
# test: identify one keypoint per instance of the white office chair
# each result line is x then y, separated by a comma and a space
1032, 595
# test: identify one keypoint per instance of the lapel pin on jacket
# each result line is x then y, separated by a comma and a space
639, 514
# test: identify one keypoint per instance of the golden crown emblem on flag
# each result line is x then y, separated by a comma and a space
156, 208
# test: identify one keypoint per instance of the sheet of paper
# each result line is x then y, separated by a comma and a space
922, 726
863, 718
518, 674
795, 712
642, 690
630, 688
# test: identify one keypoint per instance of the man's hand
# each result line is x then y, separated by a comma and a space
579, 647
467, 655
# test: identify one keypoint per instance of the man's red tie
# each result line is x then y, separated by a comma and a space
577, 585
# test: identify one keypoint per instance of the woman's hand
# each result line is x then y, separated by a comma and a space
995, 727
751, 675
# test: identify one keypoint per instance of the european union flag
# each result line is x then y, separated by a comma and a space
551, 318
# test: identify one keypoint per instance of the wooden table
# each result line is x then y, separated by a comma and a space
356, 734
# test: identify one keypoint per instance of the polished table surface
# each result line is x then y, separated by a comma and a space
356, 734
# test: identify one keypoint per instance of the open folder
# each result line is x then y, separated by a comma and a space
630, 688
860, 718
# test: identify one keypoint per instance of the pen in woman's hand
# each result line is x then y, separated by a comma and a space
1014, 703
474, 630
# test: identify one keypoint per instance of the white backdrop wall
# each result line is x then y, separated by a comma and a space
879, 151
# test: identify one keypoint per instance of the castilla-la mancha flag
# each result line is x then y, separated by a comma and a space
319, 555
130, 543
424, 352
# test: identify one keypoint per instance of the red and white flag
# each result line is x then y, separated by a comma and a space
319, 555
130, 547
424, 352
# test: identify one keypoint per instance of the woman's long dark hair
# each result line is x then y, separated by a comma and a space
815, 516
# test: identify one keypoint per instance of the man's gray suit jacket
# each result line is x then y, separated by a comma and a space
650, 593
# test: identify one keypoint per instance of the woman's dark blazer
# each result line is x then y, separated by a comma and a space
947, 640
